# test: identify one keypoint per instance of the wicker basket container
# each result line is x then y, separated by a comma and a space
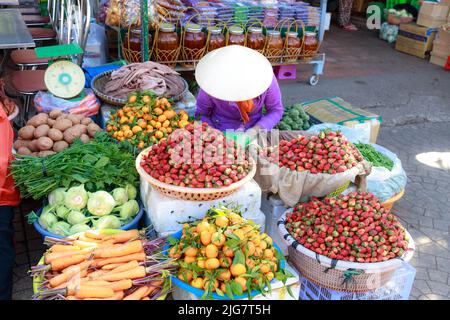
388, 204
194, 194
341, 275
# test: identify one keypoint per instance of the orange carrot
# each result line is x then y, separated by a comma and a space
140, 256
125, 249
135, 273
74, 279
68, 273
127, 266
145, 298
80, 266
49, 257
72, 298
116, 296
122, 237
137, 294
112, 266
91, 234
84, 291
121, 285
62, 263
63, 248
97, 273
95, 283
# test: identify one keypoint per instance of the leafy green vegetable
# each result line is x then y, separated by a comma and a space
62, 212
120, 195
56, 197
376, 158
294, 118
81, 227
100, 203
131, 191
100, 164
47, 220
75, 217
76, 198
61, 228
107, 222
129, 209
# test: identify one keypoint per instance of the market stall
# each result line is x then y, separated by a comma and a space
145, 201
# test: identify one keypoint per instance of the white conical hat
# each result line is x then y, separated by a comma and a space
234, 73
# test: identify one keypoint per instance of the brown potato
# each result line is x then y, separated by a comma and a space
44, 143
34, 154
75, 132
92, 128
24, 150
85, 138
60, 146
55, 134
26, 132
62, 124
55, 113
19, 143
46, 153
86, 121
75, 118
32, 145
51, 122
41, 131
37, 120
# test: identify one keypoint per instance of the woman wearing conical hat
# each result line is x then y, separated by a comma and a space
236, 85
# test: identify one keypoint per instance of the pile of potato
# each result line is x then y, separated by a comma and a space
48, 133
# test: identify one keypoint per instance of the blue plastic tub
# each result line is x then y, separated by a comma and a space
183, 285
133, 224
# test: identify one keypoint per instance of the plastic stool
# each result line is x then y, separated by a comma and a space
286, 72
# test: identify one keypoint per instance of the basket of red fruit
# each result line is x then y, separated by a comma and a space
196, 163
309, 165
348, 243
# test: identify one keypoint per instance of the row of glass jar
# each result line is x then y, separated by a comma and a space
167, 45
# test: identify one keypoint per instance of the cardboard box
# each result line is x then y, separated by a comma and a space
433, 15
441, 49
415, 40
438, 60
336, 110
443, 36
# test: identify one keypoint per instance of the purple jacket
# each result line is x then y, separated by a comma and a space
225, 115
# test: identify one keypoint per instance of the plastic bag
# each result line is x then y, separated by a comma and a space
388, 32
88, 106
293, 186
383, 183
95, 49
361, 134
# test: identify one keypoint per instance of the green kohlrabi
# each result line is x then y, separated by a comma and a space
80, 227
107, 222
47, 220
131, 191
129, 209
120, 195
100, 203
61, 228
62, 212
56, 197
76, 198
75, 217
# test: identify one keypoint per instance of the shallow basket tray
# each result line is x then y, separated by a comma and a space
98, 86
341, 275
186, 193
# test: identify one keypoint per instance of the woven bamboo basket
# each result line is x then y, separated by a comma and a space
166, 57
390, 202
255, 23
292, 54
131, 55
191, 56
193, 194
308, 54
337, 274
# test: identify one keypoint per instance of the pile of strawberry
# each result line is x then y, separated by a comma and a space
327, 152
197, 156
355, 227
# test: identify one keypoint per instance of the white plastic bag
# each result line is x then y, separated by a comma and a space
383, 183
95, 50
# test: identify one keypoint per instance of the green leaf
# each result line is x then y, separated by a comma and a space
103, 161
80, 178
219, 292
172, 240
32, 217
229, 291
237, 289
289, 290
239, 257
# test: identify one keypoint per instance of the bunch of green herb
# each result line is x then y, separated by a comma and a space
101, 164
375, 157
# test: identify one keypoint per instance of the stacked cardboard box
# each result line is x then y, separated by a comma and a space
415, 40
433, 15
441, 47
360, 6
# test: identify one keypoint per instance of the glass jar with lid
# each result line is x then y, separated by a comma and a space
256, 39
274, 48
133, 40
194, 44
216, 38
293, 46
236, 36
167, 44
311, 44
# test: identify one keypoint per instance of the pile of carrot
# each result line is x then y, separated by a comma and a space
99, 266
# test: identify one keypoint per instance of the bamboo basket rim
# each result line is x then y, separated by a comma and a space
341, 265
204, 191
